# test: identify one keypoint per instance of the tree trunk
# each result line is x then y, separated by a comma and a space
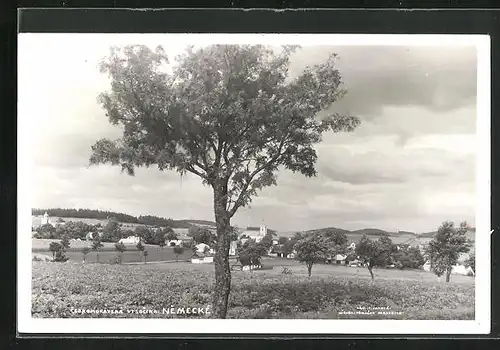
448, 273
370, 269
309, 268
97, 256
221, 258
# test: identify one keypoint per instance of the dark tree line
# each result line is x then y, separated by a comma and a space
150, 220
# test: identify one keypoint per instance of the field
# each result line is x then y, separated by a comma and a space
108, 253
332, 292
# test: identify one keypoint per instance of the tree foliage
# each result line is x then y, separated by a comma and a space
178, 250
97, 245
65, 243
104, 215
202, 235
312, 249
225, 112
250, 252
408, 257
85, 251
146, 234
112, 231
445, 249
45, 231
120, 248
54, 247
375, 253
471, 262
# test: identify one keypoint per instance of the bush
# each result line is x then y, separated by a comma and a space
178, 250
60, 256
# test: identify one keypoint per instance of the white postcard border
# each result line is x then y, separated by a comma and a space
481, 324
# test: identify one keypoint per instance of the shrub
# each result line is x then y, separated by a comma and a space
178, 250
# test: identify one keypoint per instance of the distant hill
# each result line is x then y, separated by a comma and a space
371, 232
196, 222
400, 237
99, 215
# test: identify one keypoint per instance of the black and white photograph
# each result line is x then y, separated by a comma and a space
281, 183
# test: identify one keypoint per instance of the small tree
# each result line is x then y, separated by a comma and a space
201, 235
471, 262
444, 250
178, 250
282, 240
311, 250
85, 251
65, 243
120, 248
145, 234
374, 253
97, 245
46, 231
409, 258
250, 253
140, 247
54, 247
171, 236
60, 256
161, 243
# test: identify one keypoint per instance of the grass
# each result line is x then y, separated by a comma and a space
108, 253
332, 292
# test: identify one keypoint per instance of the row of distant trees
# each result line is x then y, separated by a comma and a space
442, 252
112, 231
103, 215
59, 249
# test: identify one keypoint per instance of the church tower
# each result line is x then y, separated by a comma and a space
45, 219
263, 230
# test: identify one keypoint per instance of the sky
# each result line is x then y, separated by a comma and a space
409, 166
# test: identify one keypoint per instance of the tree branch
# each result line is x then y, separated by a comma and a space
239, 200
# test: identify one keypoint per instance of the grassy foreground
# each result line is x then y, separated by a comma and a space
156, 290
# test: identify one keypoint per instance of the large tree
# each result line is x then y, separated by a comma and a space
445, 248
229, 114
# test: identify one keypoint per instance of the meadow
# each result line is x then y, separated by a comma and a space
108, 253
332, 292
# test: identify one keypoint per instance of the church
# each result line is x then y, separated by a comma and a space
37, 221
256, 233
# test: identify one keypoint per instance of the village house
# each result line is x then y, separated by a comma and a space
130, 240
175, 242
200, 248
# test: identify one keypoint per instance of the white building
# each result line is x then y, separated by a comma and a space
174, 242
232, 248
130, 240
45, 219
200, 248
458, 269
256, 233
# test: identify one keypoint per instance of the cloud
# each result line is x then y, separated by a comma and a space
410, 164
439, 79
